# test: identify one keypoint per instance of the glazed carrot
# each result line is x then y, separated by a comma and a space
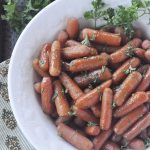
61, 103
92, 130
101, 139
37, 68
44, 57
111, 146
85, 115
90, 63
96, 109
79, 122
142, 124
105, 48
102, 74
134, 101
78, 52
92, 98
137, 144
147, 55
46, 94
74, 138
146, 44
127, 121
72, 43
127, 87
73, 89
148, 93
145, 83
119, 74
101, 37
72, 27
143, 69
55, 59
62, 37
139, 52
37, 87
124, 53
64, 119
106, 109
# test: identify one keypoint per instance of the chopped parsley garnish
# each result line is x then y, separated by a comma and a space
92, 124
54, 96
86, 41
129, 70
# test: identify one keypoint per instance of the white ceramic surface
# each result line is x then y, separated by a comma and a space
35, 125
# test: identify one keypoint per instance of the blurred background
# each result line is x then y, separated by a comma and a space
14, 16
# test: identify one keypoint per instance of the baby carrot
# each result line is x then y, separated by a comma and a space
127, 121
92, 98
89, 63
55, 59
111, 146
62, 37
134, 101
37, 68
142, 124
101, 37
145, 83
74, 137
125, 52
37, 87
72, 27
92, 130
120, 74
127, 87
101, 139
73, 89
61, 103
106, 109
78, 52
84, 115
102, 74
44, 57
46, 94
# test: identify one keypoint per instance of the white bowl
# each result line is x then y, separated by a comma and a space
35, 125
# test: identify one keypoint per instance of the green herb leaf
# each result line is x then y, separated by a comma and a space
129, 70
86, 41
93, 37
66, 91
130, 51
114, 105
54, 96
147, 142
17, 18
96, 79
96, 12
103, 69
71, 112
92, 124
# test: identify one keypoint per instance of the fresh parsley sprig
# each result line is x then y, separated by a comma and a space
122, 16
97, 11
129, 70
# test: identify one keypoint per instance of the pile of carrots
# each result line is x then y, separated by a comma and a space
96, 87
